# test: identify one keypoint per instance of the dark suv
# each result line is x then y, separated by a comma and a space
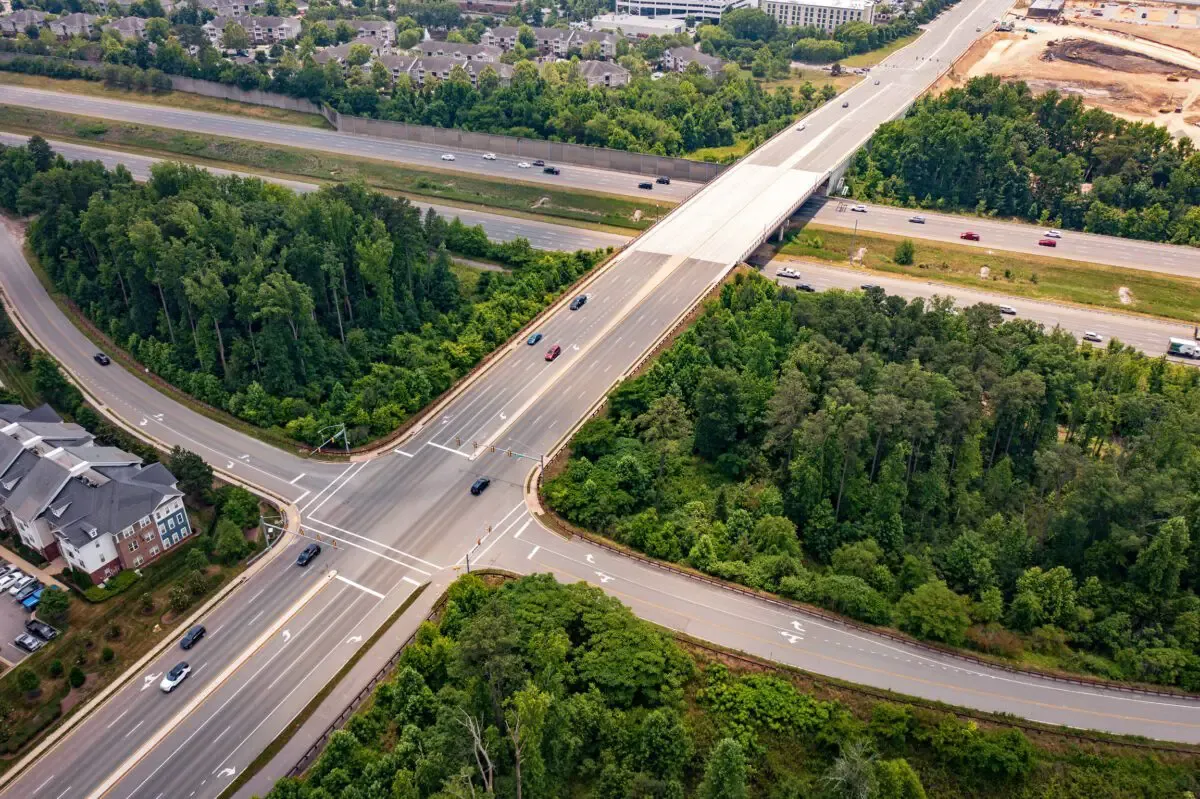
192, 636
41, 629
663, 180
551, 170
480, 485
578, 302
310, 552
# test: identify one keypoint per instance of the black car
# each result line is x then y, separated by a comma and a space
192, 636
28, 591
578, 302
663, 180
804, 287
479, 486
310, 552
869, 286
102, 359
41, 629
647, 185
551, 170
539, 162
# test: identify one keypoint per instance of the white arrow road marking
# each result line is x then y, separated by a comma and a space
158, 416
150, 679
228, 464
144, 422
797, 626
287, 635
227, 772
791, 637
503, 417
590, 559
354, 639
245, 457
604, 578
575, 347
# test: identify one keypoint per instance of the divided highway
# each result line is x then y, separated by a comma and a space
406, 517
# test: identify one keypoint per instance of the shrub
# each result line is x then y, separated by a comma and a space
231, 544
195, 560
179, 597
196, 583
106, 655
54, 605
77, 678
995, 640
904, 253
27, 681
55, 669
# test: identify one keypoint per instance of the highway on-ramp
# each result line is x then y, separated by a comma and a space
406, 517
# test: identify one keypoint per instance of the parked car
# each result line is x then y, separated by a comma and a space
479, 486
1008, 310
33, 600
859, 209
307, 554
447, 157
102, 359
41, 629
16, 587
663, 180
28, 642
489, 156
917, 220
10, 578
553, 352
646, 185
551, 170
175, 676
28, 591
6, 569
523, 165
1093, 337
534, 339
1053, 234
969, 236
578, 302
539, 162
192, 637
1047, 243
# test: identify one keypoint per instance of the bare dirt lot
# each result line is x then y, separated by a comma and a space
1134, 78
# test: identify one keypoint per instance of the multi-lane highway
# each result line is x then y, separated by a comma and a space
276, 133
1006, 236
406, 517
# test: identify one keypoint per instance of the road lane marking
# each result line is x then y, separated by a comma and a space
250, 601
399, 451
135, 728
64, 793
297, 500
44, 784
297, 478
256, 617
517, 534
109, 727
408, 579
350, 543
360, 587
222, 732
533, 552
408, 555
345, 483
447, 449
327, 487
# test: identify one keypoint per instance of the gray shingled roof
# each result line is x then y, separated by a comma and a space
36, 490
108, 508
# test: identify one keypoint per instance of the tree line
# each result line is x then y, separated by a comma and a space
535, 690
971, 482
997, 148
289, 311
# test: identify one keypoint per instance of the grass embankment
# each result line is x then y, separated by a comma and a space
190, 102
873, 57
451, 187
1032, 276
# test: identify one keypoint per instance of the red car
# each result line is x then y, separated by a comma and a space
553, 352
969, 236
1047, 243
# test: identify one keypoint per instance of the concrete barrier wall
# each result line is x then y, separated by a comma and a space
224, 91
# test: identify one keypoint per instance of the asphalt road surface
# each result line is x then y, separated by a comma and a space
407, 517
276, 133
1007, 236
499, 227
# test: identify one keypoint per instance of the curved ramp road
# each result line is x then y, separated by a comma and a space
395, 521
277, 133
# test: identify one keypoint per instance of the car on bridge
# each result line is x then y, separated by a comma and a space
551, 170
539, 162
1047, 243
523, 165
480, 485
553, 352
178, 674
579, 302
846, 104
102, 359
801, 127
534, 339
804, 287
970, 236
307, 555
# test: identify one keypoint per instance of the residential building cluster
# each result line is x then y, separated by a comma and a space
98, 507
827, 15
639, 18
557, 42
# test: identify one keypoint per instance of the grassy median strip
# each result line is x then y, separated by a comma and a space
1033, 276
184, 100
545, 201
276, 746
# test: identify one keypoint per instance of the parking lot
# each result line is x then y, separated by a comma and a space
12, 624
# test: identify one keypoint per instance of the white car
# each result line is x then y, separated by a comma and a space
175, 676
1093, 337
787, 272
10, 579
523, 165
861, 209
801, 126
488, 156
1054, 234
1008, 310
447, 157
16, 587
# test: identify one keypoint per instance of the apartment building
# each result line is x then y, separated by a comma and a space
709, 10
828, 15
423, 68
100, 508
603, 73
486, 53
77, 24
558, 42
380, 33
128, 28
260, 30
678, 59
18, 21
231, 8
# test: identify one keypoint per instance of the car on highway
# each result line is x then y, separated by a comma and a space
523, 165
663, 180
802, 126
1093, 337
551, 170
480, 485
489, 156
1053, 234
447, 157
646, 185
804, 287
869, 286
969, 236
176, 675
28, 642
877, 81
1047, 243
1008, 310
307, 554
917, 220
787, 271
539, 162
858, 209
102, 359
16, 587
578, 302
534, 339
40, 629
192, 637
846, 104
553, 352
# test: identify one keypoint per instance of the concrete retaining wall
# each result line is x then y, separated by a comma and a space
224, 91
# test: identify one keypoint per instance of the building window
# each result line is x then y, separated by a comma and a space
138, 561
133, 545
153, 551
171, 523
148, 535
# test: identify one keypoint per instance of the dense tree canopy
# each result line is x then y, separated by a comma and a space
535, 690
297, 311
997, 148
967, 480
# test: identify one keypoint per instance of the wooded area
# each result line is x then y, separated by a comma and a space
535, 690
971, 482
996, 148
290, 311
